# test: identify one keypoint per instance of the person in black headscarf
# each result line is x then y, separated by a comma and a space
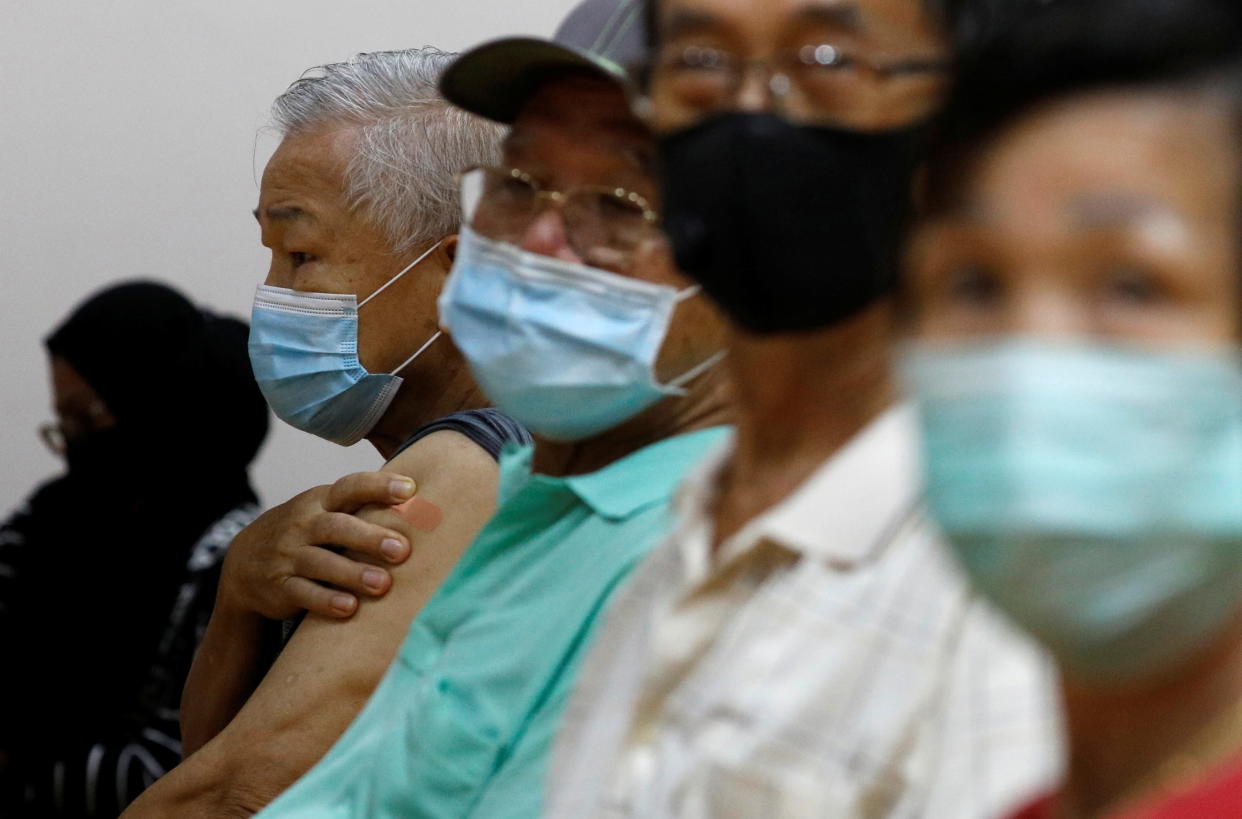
108, 573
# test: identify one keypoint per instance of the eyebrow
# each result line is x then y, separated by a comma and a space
1102, 210
283, 214
683, 22
841, 15
1094, 211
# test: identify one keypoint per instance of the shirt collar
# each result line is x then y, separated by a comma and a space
642, 478
847, 508
515, 470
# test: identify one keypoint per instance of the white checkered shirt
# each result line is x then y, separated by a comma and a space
829, 661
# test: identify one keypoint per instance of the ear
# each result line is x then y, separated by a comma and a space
449, 246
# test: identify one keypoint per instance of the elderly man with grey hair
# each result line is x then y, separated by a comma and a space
359, 208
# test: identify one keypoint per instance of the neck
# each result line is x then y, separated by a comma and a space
412, 410
707, 404
800, 398
1113, 749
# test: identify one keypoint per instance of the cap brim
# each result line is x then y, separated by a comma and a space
497, 79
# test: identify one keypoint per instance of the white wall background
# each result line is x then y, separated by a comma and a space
128, 149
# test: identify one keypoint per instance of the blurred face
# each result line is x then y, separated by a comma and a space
79, 409
578, 137
1110, 217
859, 64
320, 244
1079, 396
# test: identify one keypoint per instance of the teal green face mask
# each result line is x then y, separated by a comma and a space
1095, 493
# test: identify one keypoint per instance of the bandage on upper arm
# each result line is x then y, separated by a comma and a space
421, 514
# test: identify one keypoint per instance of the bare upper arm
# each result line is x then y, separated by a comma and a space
454, 506
330, 667
459, 479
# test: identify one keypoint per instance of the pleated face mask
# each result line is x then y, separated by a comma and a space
566, 349
304, 352
1094, 492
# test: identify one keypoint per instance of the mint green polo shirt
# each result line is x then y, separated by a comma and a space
463, 721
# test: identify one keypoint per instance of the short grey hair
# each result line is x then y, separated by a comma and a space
411, 141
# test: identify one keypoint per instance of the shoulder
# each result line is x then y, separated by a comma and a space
450, 466
443, 448
488, 429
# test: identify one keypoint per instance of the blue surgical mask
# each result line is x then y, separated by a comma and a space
1095, 493
304, 352
568, 350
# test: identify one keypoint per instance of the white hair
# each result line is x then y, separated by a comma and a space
411, 141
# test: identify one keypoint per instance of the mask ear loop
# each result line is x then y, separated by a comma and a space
677, 384
388, 284
421, 349
688, 293
394, 279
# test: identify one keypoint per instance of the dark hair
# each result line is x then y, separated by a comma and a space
1015, 55
650, 29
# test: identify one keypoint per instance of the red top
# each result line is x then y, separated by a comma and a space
1217, 797
1040, 809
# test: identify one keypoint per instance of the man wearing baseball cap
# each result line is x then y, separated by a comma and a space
566, 304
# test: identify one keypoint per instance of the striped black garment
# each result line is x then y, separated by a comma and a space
97, 776
489, 428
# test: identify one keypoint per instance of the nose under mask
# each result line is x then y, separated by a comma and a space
304, 352
566, 349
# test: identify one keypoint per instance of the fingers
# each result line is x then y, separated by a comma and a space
320, 600
360, 489
324, 566
385, 517
357, 535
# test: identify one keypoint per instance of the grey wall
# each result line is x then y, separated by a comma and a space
129, 147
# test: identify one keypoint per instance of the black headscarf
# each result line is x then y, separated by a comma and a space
168, 371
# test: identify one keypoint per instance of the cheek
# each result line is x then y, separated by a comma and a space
669, 112
1211, 319
279, 271
338, 275
695, 334
1203, 300
947, 320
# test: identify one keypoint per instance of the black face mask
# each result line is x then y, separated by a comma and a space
105, 455
788, 227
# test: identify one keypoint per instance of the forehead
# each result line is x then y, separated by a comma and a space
580, 119
579, 107
1158, 146
310, 165
891, 23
